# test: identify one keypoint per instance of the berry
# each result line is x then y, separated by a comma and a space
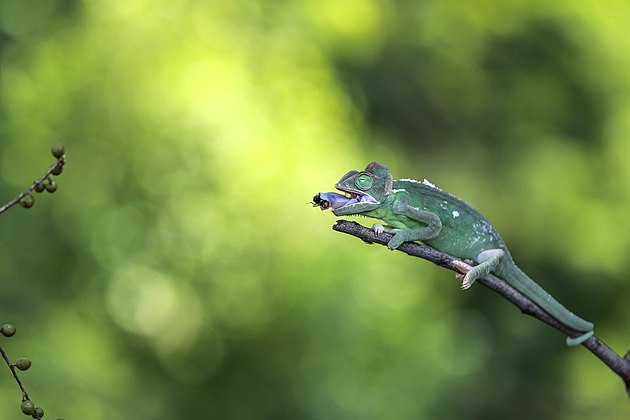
51, 186
57, 169
27, 202
39, 412
22, 363
28, 407
7, 330
39, 187
57, 150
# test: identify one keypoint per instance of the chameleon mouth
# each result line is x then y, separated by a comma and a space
335, 201
355, 197
331, 200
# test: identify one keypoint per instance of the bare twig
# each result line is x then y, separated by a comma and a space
619, 365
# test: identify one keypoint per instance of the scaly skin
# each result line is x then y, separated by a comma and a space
419, 211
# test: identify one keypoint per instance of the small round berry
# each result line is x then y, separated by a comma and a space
39, 412
27, 202
39, 187
57, 150
23, 363
51, 186
8, 330
57, 170
28, 407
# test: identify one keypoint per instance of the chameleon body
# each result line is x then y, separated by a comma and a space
419, 211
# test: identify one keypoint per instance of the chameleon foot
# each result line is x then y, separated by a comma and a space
463, 275
378, 228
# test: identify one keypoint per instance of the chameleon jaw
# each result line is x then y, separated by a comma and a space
334, 201
357, 202
330, 200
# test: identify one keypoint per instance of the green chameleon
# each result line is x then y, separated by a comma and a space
420, 211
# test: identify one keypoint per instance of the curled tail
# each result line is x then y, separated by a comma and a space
521, 282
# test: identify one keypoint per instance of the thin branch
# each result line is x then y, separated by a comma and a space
619, 365
58, 163
45, 182
15, 375
11, 366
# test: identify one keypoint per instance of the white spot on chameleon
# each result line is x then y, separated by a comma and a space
399, 190
455, 214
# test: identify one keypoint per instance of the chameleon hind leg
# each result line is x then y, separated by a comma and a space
488, 260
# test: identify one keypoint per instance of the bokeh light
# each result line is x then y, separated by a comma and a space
179, 271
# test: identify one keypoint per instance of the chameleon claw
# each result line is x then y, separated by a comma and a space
466, 283
378, 228
463, 275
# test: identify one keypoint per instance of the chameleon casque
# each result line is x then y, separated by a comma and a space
420, 211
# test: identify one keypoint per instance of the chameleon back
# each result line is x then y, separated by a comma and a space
456, 238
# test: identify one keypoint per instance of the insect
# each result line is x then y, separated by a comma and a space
329, 200
319, 201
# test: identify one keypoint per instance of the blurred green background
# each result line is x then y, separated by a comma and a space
177, 273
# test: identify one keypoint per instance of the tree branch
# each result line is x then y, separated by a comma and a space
619, 365
59, 162
44, 183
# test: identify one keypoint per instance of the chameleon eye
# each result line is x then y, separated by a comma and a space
363, 182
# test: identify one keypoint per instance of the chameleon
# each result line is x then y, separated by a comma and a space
419, 211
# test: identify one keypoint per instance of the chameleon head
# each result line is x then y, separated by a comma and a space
366, 189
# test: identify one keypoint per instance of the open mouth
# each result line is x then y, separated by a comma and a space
355, 197
336, 201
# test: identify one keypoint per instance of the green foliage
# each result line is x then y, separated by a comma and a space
178, 262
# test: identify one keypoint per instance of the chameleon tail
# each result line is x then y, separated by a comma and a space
521, 282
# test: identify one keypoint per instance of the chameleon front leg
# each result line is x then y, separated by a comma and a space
488, 261
430, 231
